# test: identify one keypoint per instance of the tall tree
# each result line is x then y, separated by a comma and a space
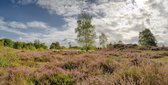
146, 38
103, 40
85, 30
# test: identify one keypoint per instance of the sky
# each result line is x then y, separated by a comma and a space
55, 20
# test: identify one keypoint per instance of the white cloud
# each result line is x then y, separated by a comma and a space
24, 26
37, 24
17, 25
119, 19
116, 17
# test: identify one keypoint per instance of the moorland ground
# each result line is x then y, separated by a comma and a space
102, 67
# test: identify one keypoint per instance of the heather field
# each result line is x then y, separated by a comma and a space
101, 67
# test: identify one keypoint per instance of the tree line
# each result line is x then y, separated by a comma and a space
23, 45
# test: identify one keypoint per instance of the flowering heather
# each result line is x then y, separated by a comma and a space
103, 67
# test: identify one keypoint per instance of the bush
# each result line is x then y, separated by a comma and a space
118, 46
130, 76
55, 79
41, 59
107, 68
19, 78
7, 42
18, 45
88, 48
70, 66
55, 46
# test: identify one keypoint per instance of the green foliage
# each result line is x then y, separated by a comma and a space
55, 46
7, 42
56, 79
85, 30
88, 48
22, 45
103, 40
1, 43
74, 47
29, 46
39, 45
146, 38
18, 45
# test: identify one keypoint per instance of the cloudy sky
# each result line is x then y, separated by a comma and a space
55, 20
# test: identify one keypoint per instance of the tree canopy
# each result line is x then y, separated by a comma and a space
22, 45
146, 38
55, 45
85, 30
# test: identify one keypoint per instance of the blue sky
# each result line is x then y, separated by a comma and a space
27, 13
55, 20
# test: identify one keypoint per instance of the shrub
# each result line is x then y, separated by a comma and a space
107, 68
19, 78
118, 46
7, 42
55, 45
131, 76
41, 59
88, 48
70, 66
18, 45
55, 79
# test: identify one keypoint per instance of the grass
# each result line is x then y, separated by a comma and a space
104, 67
164, 59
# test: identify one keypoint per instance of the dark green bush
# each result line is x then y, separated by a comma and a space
70, 66
106, 68
118, 46
55, 45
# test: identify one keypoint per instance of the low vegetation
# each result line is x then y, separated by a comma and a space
129, 66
